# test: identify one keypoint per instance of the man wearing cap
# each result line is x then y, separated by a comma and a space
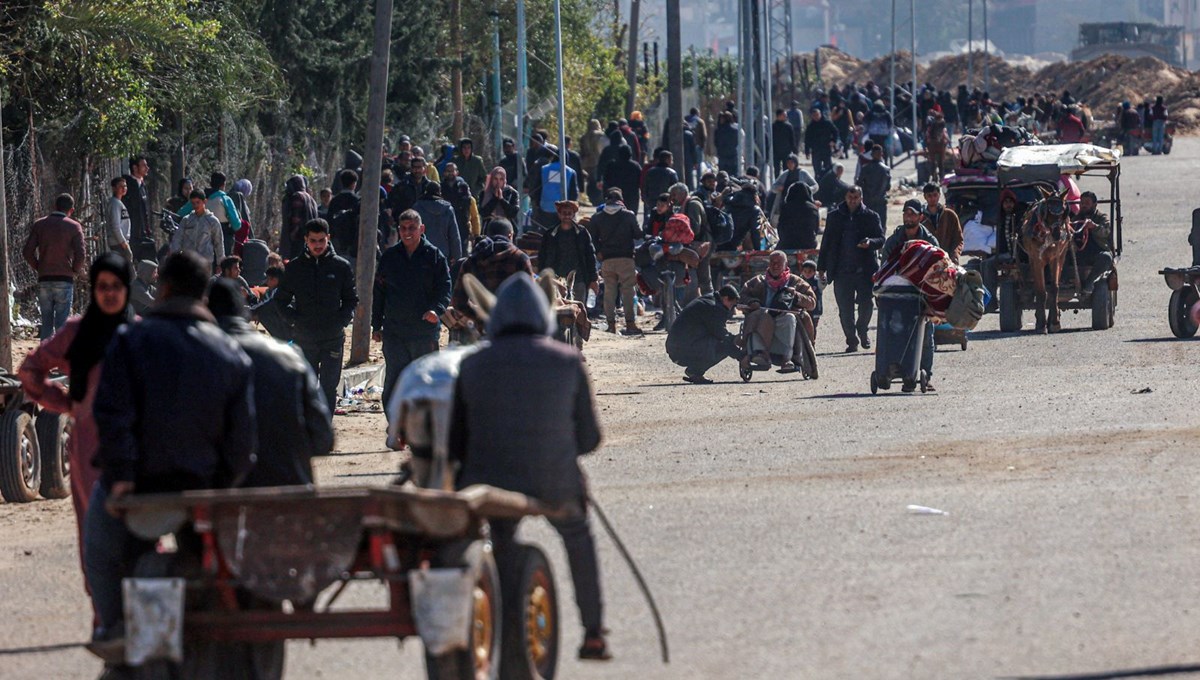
699, 339
616, 231
913, 229
567, 248
853, 235
943, 222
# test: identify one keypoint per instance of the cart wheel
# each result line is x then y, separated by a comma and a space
1102, 309
20, 461
530, 630
924, 382
808, 356
1010, 307
874, 384
745, 373
482, 660
54, 440
1179, 312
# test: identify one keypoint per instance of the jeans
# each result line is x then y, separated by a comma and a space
619, 274
398, 353
326, 359
581, 556
110, 552
54, 299
851, 291
927, 350
1157, 132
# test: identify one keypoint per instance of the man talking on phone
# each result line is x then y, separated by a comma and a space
853, 236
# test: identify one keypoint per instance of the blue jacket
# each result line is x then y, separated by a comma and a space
175, 405
231, 213
552, 186
407, 286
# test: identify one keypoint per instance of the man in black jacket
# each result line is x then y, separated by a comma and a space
875, 178
831, 187
847, 260
783, 140
317, 295
819, 141
137, 198
659, 178
625, 174
568, 248
412, 291
293, 418
409, 190
152, 439
699, 340
615, 229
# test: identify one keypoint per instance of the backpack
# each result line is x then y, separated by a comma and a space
966, 306
678, 229
720, 226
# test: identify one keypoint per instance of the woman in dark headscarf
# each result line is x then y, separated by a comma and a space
77, 350
180, 199
799, 219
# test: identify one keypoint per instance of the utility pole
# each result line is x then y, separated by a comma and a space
5, 311
368, 218
892, 67
522, 96
912, 8
456, 85
562, 110
970, 43
498, 104
631, 57
675, 87
987, 85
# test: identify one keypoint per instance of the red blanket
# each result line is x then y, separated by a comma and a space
928, 268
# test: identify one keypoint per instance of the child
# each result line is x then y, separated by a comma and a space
808, 272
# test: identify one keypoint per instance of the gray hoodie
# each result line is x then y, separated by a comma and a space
143, 291
520, 304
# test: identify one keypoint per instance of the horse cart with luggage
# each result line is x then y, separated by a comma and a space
1032, 261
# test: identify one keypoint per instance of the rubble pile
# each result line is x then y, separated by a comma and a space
1102, 83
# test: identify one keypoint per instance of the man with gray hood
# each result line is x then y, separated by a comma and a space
144, 288
299, 208
546, 407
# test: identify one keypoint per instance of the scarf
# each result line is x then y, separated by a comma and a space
778, 284
96, 328
614, 207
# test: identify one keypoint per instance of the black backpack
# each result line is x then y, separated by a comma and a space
719, 225
343, 227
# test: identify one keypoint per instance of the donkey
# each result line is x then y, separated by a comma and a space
1046, 238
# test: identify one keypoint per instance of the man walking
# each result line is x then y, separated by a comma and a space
199, 232
412, 291
470, 167
875, 178
820, 139
616, 231
567, 248
317, 296
847, 260
152, 438
547, 395
221, 206
54, 251
943, 222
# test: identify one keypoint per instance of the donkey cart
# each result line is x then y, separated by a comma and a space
243, 570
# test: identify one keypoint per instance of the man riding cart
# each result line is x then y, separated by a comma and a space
778, 328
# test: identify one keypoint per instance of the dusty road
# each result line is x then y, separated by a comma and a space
770, 517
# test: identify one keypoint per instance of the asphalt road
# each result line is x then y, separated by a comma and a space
770, 518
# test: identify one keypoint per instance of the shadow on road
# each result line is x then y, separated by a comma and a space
1170, 338
868, 395
40, 649
1153, 671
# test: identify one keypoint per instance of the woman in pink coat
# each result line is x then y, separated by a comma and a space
77, 350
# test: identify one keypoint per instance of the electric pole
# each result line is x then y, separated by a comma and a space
368, 218
631, 57
497, 124
987, 85
562, 109
5, 311
970, 43
675, 87
456, 84
522, 96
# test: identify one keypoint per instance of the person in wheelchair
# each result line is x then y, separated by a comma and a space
1093, 241
777, 304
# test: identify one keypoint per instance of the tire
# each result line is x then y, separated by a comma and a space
482, 660
1102, 311
54, 439
530, 631
20, 460
1010, 308
668, 305
1179, 312
808, 356
874, 384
